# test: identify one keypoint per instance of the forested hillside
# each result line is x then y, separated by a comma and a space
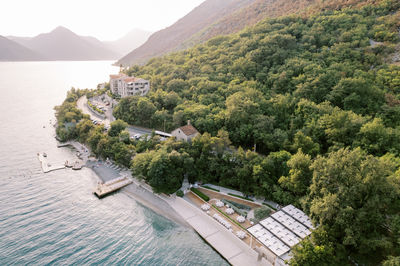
282, 77
316, 98
261, 9
173, 37
220, 17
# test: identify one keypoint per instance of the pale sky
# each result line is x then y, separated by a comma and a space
104, 19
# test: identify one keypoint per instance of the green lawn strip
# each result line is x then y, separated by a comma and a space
224, 214
207, 187
241, 197
238, 205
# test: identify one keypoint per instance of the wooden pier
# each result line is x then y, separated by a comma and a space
103, 189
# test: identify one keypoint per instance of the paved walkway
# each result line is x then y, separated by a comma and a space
226, 243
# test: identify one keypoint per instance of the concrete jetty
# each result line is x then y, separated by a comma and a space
46, 166
103, 189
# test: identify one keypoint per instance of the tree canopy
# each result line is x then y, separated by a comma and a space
298, 110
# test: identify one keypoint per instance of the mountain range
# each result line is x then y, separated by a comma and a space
63, 44
13, 51
209, 19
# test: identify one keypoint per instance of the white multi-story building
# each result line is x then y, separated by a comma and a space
124, 85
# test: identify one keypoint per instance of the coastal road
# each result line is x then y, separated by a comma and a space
133, 130
82, 105
138, 130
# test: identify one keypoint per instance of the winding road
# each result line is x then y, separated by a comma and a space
133, 130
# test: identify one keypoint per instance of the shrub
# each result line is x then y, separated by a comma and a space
211, 188
238, 196
200, 194
179, 193
94, 107
240, 206
262, 213
236, 209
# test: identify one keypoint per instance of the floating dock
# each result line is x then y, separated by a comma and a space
46, 166
106, 188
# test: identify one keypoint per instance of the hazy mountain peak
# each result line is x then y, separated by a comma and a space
61, 29
133, 39
63, 44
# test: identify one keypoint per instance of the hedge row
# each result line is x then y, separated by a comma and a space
238, 196
240, 206
236, 209
211, 188
200, 194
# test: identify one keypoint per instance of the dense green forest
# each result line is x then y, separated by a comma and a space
284, 76
318, 98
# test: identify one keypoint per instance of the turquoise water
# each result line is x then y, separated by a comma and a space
54, 218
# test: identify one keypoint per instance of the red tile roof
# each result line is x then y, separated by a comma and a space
130, 79
188, 130
133, 79
117, 76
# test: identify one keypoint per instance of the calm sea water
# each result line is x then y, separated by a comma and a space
54, 218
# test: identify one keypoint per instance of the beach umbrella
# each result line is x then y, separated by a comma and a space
219, 204
240, 219
230, 211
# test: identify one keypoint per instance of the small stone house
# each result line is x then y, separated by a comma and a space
186, 133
